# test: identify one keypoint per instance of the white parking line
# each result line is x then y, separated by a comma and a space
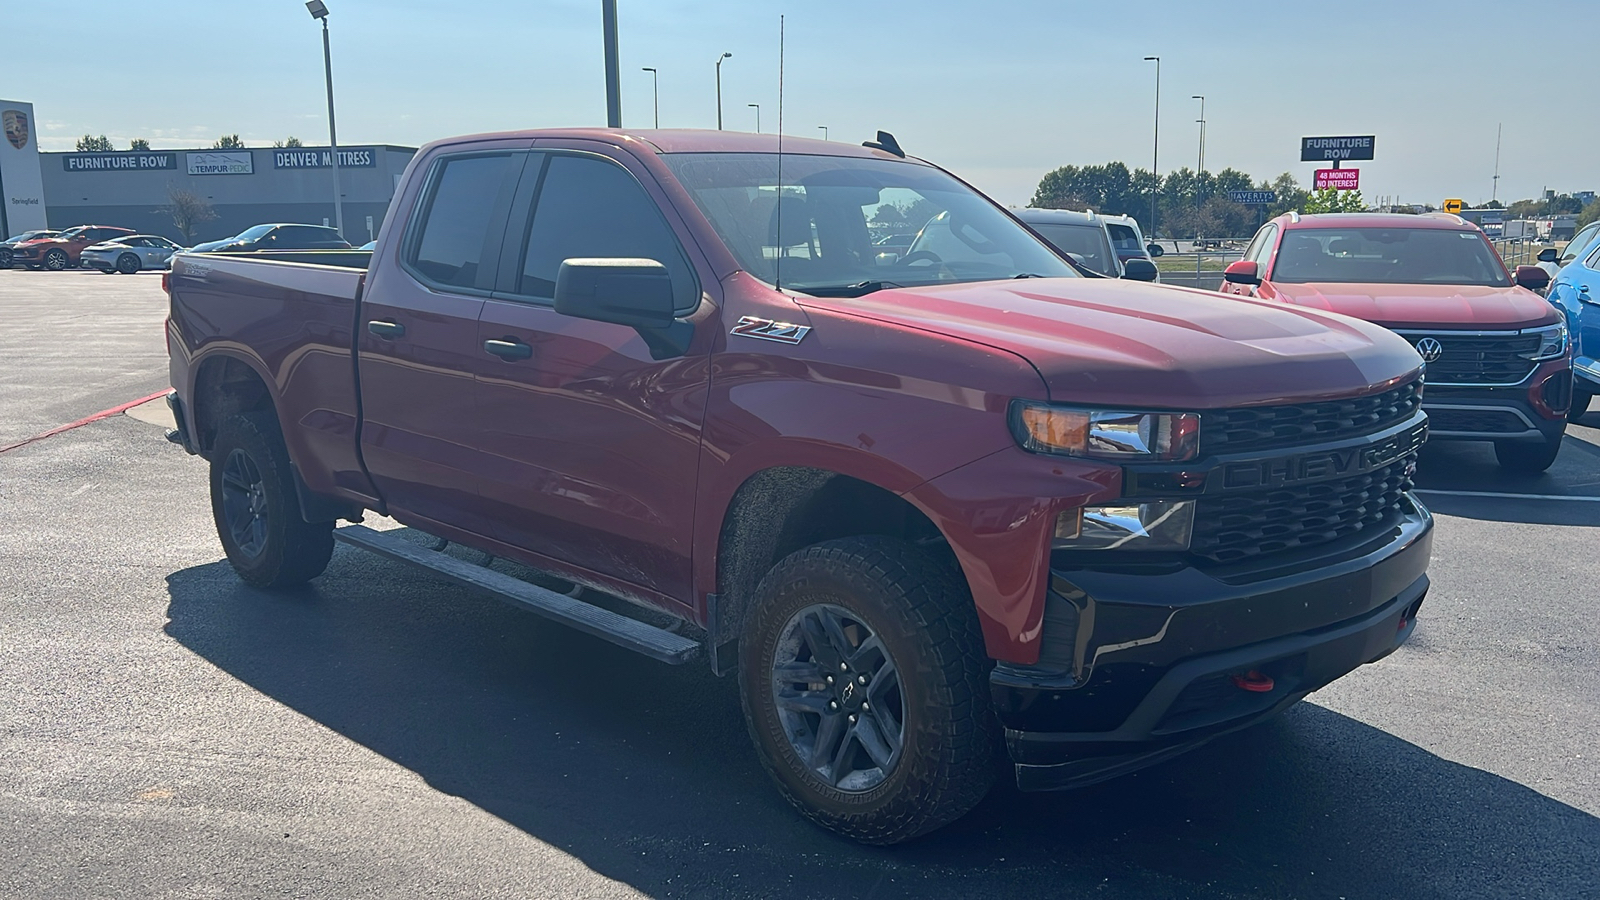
1506, 496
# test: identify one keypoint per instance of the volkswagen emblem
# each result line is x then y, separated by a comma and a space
1430, 349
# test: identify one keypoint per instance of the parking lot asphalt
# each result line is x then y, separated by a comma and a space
166, 731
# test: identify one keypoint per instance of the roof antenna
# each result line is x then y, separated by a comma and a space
777, 265
886, 143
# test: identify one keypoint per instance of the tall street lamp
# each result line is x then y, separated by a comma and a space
319, 11
655, 82
824, 131
1202, 121
1155, 154
719, 88
757, 108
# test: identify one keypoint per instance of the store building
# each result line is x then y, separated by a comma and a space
135, 189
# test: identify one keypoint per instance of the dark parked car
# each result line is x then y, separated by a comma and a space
8, 243
278, 237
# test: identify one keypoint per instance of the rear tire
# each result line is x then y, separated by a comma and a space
1527, 458
57, 260
256, 510
860, 619
1580, 404
128, 264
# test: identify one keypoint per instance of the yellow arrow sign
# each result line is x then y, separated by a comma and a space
1452, 205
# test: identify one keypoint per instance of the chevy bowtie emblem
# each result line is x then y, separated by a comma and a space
768, 330
1430, 349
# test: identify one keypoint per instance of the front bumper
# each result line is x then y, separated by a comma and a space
1139, 666
1533, 410
97, 262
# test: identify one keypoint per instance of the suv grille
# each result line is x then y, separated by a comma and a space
1273, 427
1480, 359
1230, 529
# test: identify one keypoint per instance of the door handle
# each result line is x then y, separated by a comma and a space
386, 330
510, 351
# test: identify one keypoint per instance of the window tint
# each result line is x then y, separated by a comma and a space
1260, 252
1579, 242
1086, 242
1124, 239
591, 207
455, 225
1594, 259
136, 242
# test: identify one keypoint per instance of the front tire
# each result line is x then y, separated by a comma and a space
865, 689
256, 510
1527, 458
127, 264
57, 260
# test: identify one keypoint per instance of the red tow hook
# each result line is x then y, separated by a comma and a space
1253, 681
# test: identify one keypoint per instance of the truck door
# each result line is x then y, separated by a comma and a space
592, 446
418, 338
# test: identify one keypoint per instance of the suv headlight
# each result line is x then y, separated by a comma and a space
1552, 342
1149, 526
1105, 433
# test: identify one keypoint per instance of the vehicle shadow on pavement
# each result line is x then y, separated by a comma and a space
644, 772
1472, 468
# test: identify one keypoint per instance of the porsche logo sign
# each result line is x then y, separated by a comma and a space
15, 122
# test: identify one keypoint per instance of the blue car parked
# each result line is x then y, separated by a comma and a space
1576, 292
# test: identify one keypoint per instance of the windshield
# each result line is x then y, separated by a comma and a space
820, 235
1388, 256
1086, 242
250, 234
71, 233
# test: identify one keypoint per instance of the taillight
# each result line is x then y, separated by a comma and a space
166, 282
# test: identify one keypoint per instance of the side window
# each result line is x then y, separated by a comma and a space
454, 223
589, 206
1262, 249
1579, 241
1594, 259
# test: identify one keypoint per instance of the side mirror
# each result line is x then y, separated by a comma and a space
632, 292
1139, 270
1243, 271
1548, 254
1533, 278
1154, 249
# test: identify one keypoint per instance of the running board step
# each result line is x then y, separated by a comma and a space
656, 643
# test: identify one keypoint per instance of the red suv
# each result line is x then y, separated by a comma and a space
62, 251
1499, 367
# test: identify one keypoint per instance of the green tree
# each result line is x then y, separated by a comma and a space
1332, 201
138, 144
1590, 212
91, 144
290, 141
228, 142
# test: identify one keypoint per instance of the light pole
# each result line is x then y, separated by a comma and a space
1202, 121
319, 11
1155, 154
757, 108
824, 131
655, 86
608, 17
719, 88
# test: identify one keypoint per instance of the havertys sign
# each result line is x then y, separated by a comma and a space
349, 158
1332, 149
1337, 179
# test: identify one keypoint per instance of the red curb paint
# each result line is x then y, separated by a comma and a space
102, 414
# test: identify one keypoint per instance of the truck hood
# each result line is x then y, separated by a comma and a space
1110, 342
1425, 305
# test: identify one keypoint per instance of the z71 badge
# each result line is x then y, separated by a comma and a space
768, 330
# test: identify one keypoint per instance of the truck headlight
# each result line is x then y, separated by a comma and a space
1153, 525
1105, 433
1552, 342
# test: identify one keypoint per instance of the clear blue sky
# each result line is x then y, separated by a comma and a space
1000, 91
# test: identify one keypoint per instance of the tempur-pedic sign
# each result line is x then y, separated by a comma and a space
221, 162
300, 158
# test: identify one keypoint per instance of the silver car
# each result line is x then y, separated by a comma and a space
130, 254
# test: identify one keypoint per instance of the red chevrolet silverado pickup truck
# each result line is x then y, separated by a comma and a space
929, 510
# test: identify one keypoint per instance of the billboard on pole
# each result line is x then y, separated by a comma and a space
1338, 179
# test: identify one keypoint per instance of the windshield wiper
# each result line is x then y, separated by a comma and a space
859, 289
1027, 275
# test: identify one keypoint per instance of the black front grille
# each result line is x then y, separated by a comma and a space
1479, 359
1476, 421
1231, 529
1273, 427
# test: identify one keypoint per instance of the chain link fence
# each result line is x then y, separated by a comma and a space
1199, 263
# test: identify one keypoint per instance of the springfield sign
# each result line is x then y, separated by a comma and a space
349, 158
221, 162
1336, 149
118, 162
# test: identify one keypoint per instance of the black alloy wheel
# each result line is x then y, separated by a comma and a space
256, 509
5, 257
128, 263
57, 259
244, 503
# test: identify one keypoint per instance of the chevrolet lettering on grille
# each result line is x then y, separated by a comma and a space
1323, 464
